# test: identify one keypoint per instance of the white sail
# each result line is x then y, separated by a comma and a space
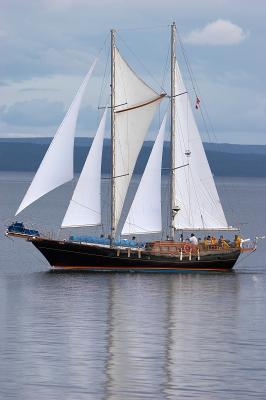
145, 213
195, 192
135, 105
56, 167
85, 206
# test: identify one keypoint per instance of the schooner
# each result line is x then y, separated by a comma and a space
194, 201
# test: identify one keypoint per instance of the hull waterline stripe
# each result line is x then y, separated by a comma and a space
146, 268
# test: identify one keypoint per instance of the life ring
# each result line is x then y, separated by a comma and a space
187, 248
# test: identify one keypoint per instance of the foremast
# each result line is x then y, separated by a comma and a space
112, 135
173, 130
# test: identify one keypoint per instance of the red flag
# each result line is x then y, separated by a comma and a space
197, 103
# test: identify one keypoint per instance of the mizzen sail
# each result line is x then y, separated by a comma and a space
85, 206
195, 192
56, 167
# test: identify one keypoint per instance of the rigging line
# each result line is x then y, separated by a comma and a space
193, 82
104, 80
239, 261
82, 205
186, 61
209, 198
131, 224
196, 90
144, 28
219, 150
166, 65
181, 136
77, 93
107, 58
203, 106
101, 48
39, 259
141, 63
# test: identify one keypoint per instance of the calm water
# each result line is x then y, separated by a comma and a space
130, 336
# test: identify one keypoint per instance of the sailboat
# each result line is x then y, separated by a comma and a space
194, 201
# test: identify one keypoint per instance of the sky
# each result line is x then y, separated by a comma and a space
47, 47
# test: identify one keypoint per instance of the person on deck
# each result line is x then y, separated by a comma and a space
213, 240
193, 239
238, 241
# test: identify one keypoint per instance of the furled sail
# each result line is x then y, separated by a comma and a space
85, 206
56, 167
195, 192
145, 213
135, 105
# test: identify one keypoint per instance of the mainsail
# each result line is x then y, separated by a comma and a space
195, 192
135, 105
56, 167
85, 206
145, 213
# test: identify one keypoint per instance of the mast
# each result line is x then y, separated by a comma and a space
173, 129
113, 135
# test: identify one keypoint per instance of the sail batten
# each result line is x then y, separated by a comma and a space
145, 213
85, 206
56, 167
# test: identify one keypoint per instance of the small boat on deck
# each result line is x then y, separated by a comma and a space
17, 229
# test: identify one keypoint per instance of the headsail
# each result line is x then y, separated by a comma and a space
195, 192
56, 167
85, 206
145, 212
135, 105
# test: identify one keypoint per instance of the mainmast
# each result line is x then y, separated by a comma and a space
173, 130
113, 135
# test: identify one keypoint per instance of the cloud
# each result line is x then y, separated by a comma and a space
39, 61
42, 115
217, 33
37, 112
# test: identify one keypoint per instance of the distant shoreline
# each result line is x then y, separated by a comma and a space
225, 159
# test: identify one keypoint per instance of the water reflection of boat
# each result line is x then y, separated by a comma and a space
194, 201
157, 338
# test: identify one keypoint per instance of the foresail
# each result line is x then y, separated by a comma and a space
145, 213
135, 106
195, 192
56, 167
85, 206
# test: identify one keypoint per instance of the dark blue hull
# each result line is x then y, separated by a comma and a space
66, 255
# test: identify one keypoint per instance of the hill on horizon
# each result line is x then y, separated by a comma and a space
25, 154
